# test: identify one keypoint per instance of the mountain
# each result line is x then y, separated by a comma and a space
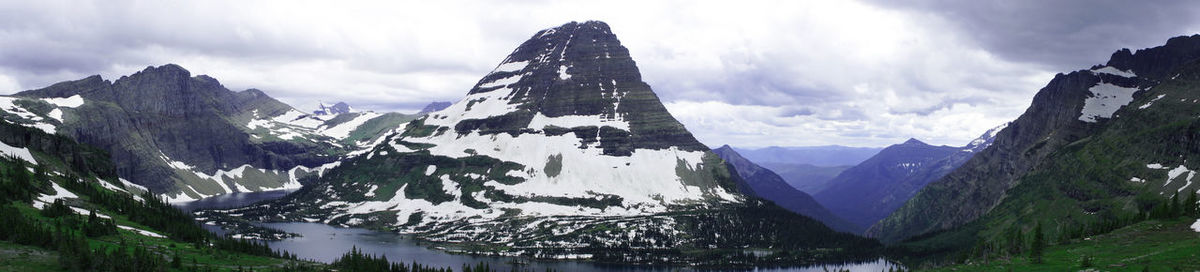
762, 183
435, 106
823, 156
338, 108
63, 207
561, 151
808, 178
871, 190
1097, 149
187, 137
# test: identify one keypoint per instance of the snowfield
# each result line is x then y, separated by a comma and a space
1105, 100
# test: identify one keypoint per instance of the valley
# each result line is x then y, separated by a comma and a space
921, 146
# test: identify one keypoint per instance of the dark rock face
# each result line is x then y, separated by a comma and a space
566, 65
187, 118
762, 183
1051, 122
434, 106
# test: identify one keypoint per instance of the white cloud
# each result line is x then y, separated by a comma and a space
857, 74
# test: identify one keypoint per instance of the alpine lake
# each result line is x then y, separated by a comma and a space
324, 243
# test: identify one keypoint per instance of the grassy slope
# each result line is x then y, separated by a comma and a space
1158, 245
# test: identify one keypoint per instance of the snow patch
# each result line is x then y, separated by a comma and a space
569, 121
429, 170
1196, 226
502, 81
1105, 100
562, 73
341, 131
69, 102
56, 114
59, 193
1113, 71
21, 153
511, 66
1147, 105
141, 231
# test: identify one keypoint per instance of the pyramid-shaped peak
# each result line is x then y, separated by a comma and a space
562, 53
576, 76
912, 141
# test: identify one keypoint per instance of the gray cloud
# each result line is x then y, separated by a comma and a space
1063, 35
749, 73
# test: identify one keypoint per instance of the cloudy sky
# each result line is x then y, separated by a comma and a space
746, 73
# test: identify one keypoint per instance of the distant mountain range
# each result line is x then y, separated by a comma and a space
761, 182
871, 190
808, 168
808, 178
822, 156
434, 107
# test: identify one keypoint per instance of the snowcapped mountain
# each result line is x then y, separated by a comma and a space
561, 146
188, 137
871, 190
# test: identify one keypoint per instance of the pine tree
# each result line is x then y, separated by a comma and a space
1039, 244
1190, 206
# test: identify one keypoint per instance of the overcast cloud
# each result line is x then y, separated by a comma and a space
746, 73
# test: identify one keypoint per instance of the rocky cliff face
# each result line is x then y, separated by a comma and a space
1071, 108
186, 136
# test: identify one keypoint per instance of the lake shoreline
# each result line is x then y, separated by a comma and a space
398, 246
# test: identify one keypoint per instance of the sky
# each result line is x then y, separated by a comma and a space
744, 73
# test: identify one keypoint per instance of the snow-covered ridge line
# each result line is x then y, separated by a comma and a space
1113, 71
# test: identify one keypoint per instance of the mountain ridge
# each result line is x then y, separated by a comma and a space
1071, 108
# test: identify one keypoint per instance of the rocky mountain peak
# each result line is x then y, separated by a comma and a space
336, 108
573, 78
914, 141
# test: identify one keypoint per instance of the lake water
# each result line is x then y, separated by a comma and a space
325, 243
